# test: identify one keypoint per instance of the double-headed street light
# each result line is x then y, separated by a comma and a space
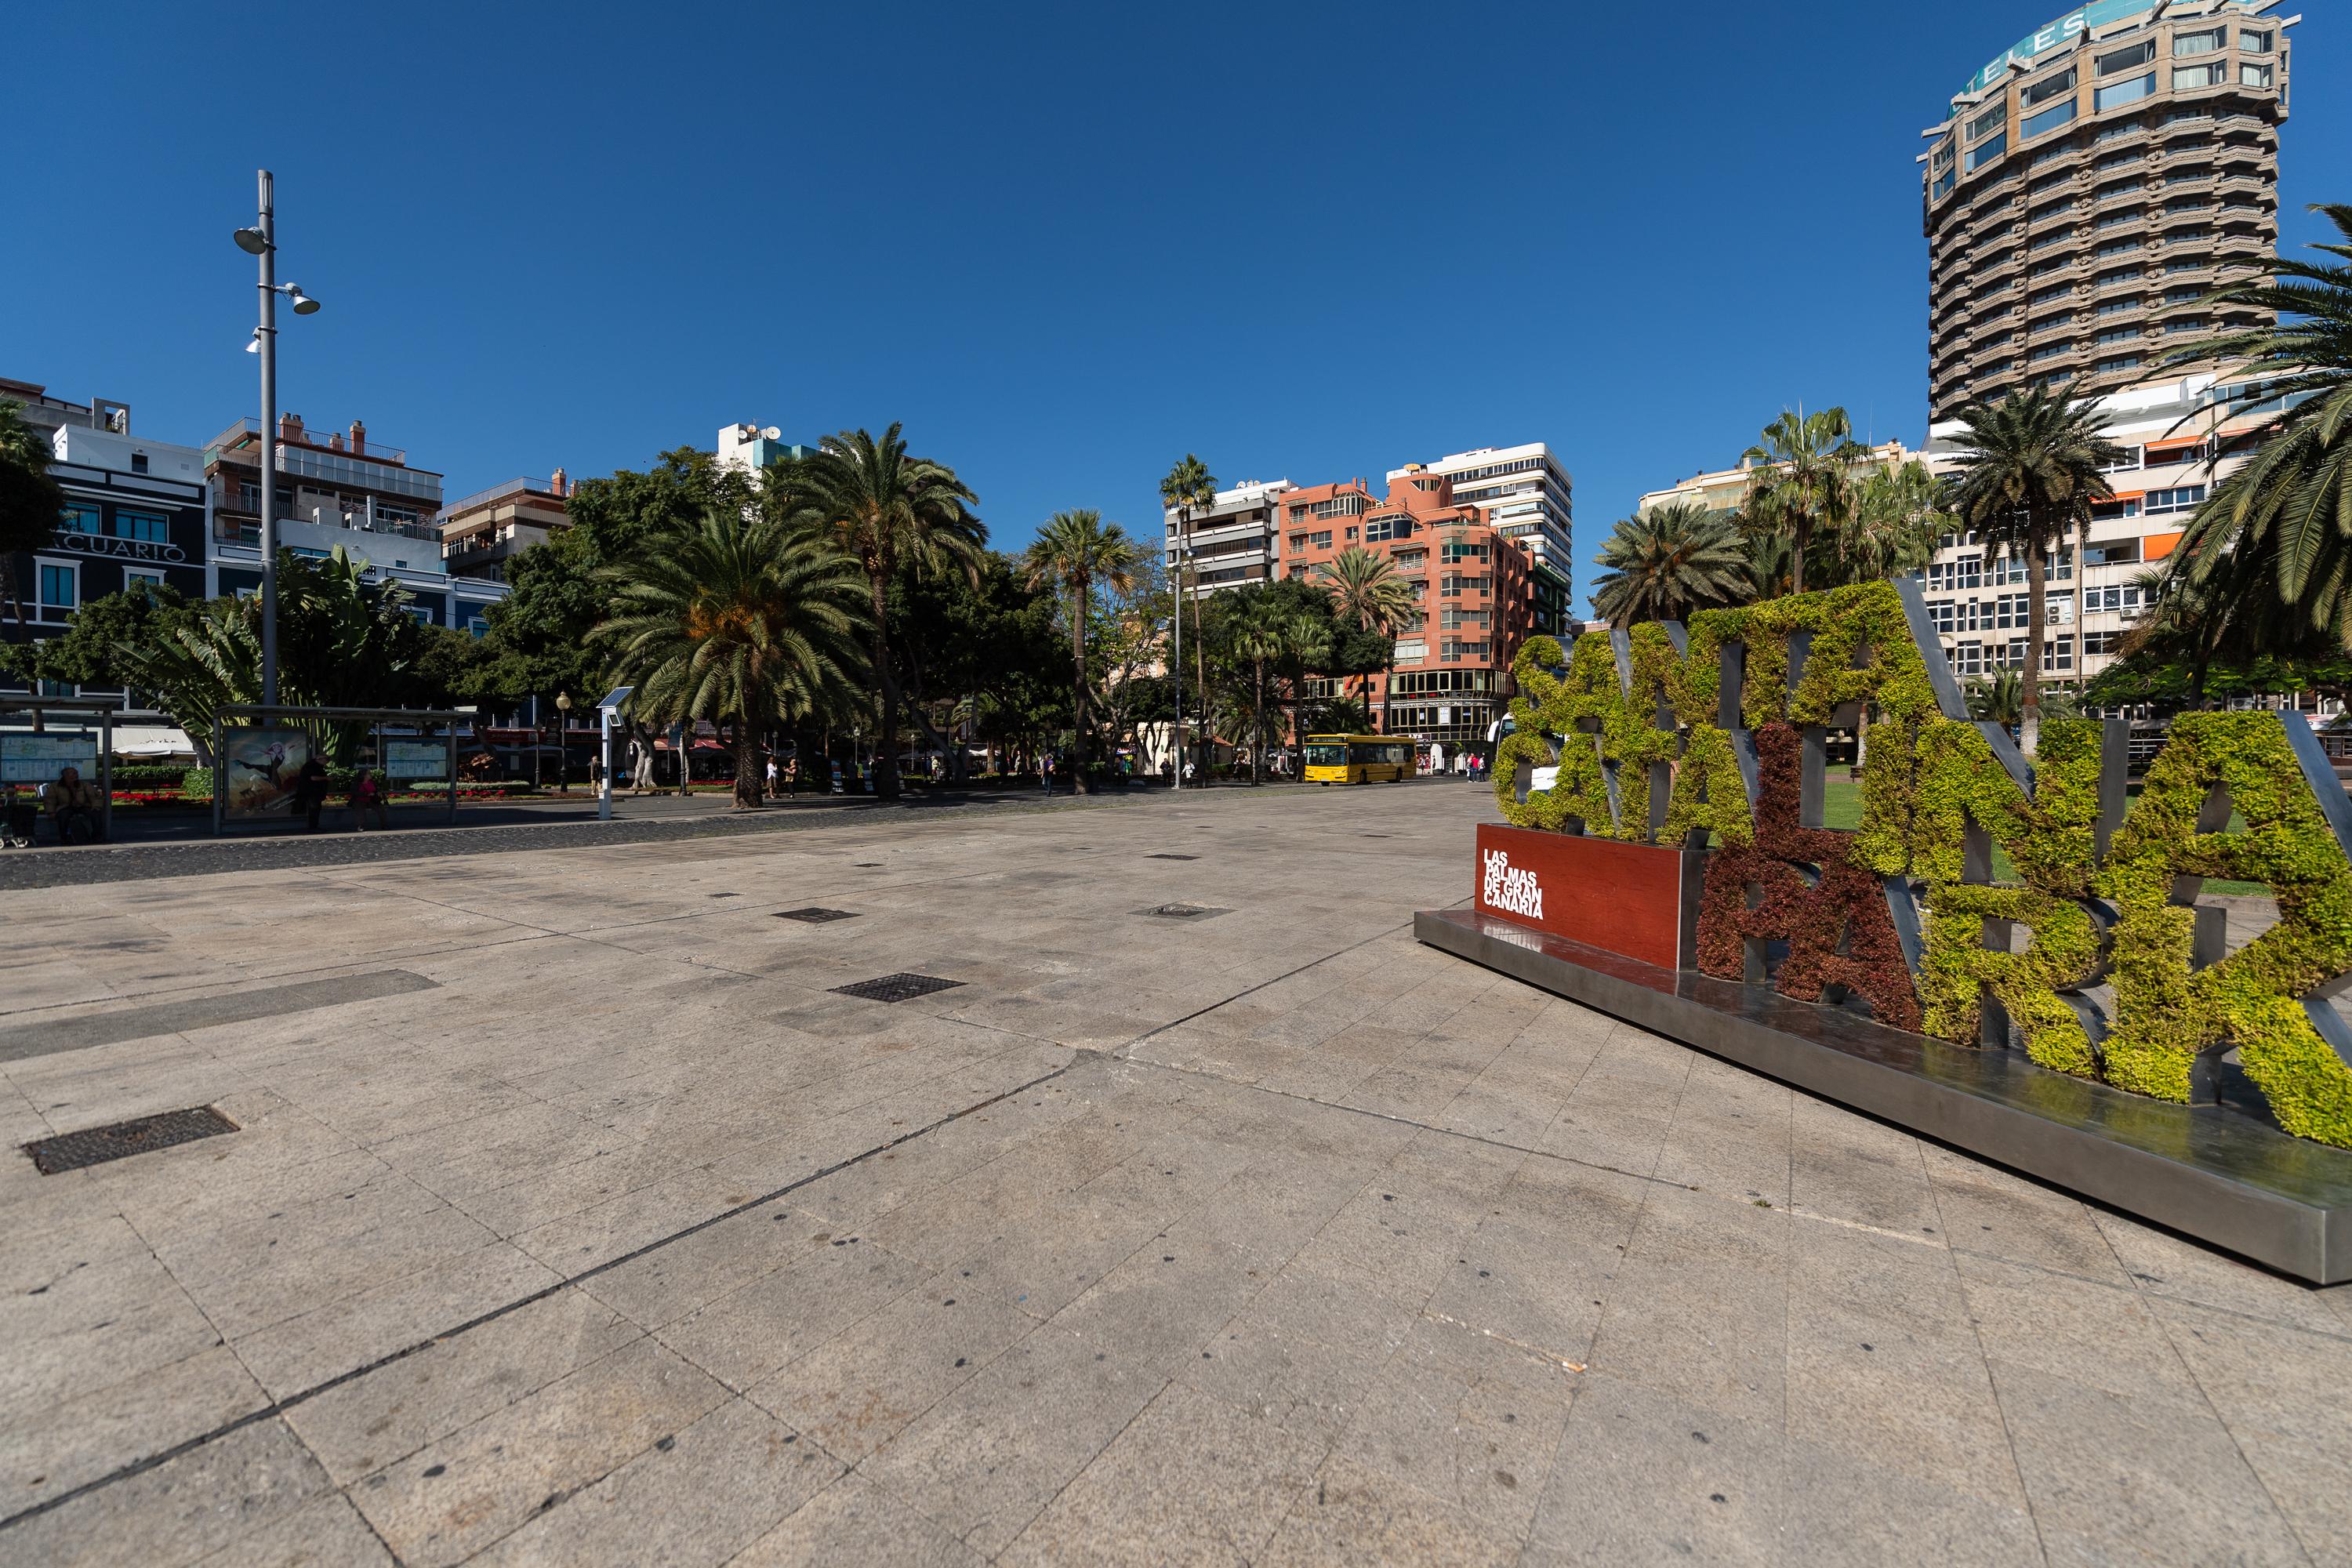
261, 241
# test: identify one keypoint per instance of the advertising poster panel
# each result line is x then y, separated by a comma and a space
264, 763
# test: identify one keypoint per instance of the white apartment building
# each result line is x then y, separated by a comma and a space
2176, 446
1527, 497
1724, 490
749, 448
1234, 542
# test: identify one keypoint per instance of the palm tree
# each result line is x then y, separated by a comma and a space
2031, 467
1072, 552
1661, 565
1366, 590
2290, 505
1892, 527
30, 501
744, 622
883, 507
1803, 479
1190, 490
1306, 645
1261, 630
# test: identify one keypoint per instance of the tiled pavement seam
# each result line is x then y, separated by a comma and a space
278, 1407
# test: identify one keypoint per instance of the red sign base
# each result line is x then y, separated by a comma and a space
1638, 900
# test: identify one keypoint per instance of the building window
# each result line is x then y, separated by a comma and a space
141, 525
78, 518
1979, 156
2120, 335
2187, 77
2252, 75
2118, 306
2205, 42
2115, 95
1991, 120
2119, 364
2049, 119
2253, 43
2097, 645
60, 590
1944, 183
2058, 655
2139, 54
2048, 88
2186, 498
133, 579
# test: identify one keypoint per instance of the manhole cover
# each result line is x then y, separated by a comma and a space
814, 917
96, 1145
1171, 856
897, 987
1182, 912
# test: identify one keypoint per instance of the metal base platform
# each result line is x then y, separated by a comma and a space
2214, 1173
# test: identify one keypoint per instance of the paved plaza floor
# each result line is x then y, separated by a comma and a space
574, 1216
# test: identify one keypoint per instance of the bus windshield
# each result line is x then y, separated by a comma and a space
1327, 755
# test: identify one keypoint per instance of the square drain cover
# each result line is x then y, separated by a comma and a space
97, 1145
897, 987
814, 917
1182, 912
1171, 856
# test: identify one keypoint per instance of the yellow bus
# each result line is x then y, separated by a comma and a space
1359, 759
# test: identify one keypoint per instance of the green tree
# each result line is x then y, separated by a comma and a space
1189, 489
1309, 642
1074, 551
1261, 625
2275, 539
30, 502
1802, 480
2027, 471
1366, 593
1663, 563
884, 506
1891, 530
89, 650
745, 623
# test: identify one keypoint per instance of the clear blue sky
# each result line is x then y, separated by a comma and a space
1064, 243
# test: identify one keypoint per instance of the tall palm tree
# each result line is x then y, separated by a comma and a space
1072, 552
2029, 469
1803, 478
1892, 527
884, 507
747, 622
1366, 592
1662, 563
1190, 489
2291, 504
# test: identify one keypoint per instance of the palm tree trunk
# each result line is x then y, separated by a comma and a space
886, 761
1804, 534
748, 772
1080, 747
2030, 699
1257, 745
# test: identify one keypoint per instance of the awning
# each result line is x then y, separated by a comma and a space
151, 740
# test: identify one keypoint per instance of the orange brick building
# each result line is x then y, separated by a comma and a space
1474, 589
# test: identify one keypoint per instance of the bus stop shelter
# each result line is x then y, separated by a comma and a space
36, 754
259, 753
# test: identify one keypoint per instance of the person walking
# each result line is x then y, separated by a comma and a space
310, 792
369, 794
1049, 773
776, 775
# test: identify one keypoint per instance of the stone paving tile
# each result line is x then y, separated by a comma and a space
696, 1497
1355, 1514
855, 1524
465, 1492
205, 1505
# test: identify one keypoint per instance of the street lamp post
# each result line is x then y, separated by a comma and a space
563, 752
262, 242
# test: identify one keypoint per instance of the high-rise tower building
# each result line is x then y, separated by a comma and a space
2092, 185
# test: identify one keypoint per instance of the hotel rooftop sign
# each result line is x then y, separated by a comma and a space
2059, 34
